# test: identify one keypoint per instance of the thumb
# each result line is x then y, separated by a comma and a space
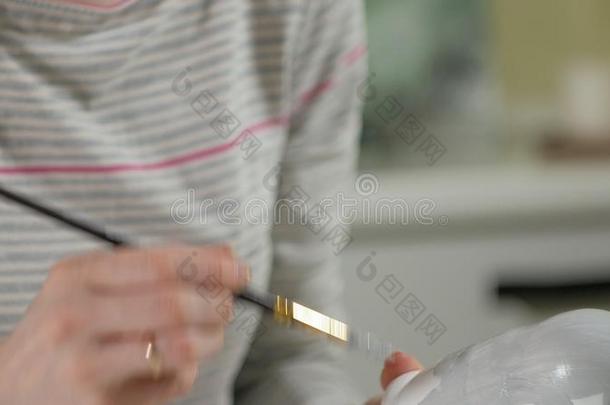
397, 364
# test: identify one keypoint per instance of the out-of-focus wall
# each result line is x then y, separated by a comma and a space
486, 79
534, 41
542, 226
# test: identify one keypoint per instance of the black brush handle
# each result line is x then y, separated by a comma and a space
265, 300
61, 217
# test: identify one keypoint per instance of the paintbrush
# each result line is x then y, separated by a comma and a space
285, 311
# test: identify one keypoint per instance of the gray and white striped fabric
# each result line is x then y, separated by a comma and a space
117, 113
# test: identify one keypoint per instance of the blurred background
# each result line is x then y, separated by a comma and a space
498, 113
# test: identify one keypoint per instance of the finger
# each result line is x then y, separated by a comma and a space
143, 391
374, 401
397, 364
146, 391
125, 269
157, 310
115, 363
216, 267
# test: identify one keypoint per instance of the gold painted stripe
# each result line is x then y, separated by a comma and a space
319, 321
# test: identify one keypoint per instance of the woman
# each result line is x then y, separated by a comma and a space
134, 115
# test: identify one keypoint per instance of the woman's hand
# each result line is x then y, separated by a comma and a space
395, 365
83, 340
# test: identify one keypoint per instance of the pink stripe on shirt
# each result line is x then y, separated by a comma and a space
280, 121
118, 4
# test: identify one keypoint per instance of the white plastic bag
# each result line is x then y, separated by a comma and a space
564, 360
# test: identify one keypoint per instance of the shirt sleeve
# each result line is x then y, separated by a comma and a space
287, 366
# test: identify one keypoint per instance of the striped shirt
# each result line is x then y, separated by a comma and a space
135, 115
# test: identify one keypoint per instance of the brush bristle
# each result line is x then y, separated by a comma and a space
370, 344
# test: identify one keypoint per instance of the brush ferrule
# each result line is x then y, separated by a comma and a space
282, 310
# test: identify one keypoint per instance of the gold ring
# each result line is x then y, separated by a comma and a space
154, 358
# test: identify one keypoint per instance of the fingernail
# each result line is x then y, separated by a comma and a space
244, 272
229, 249
392, 359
